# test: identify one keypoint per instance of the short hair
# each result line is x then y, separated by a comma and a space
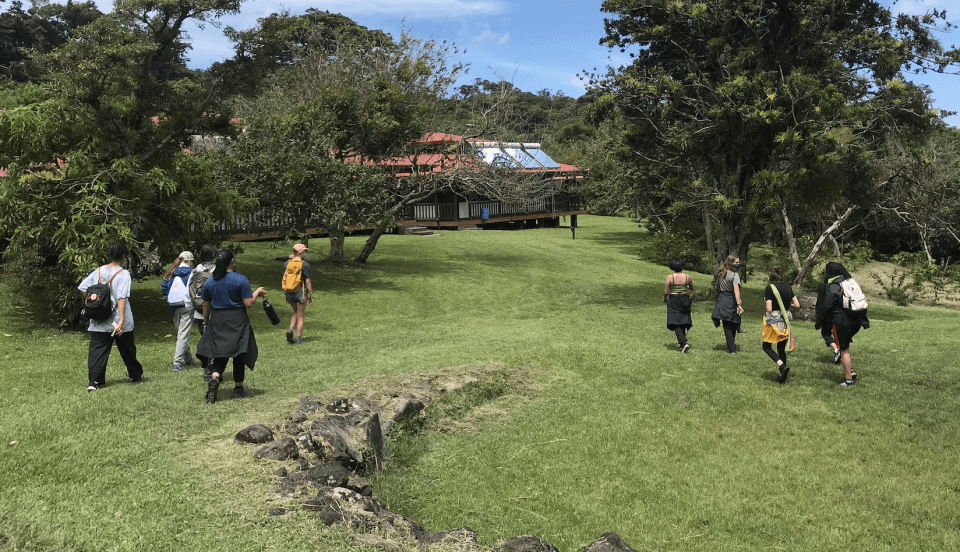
775, 274
676, 264
117, 251
208, 253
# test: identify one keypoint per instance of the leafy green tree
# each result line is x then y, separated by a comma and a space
313, 139
739, 108
98, 155
283, 40
41, 28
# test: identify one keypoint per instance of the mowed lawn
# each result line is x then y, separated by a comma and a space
620, 433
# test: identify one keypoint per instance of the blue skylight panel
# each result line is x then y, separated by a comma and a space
495, 157
543, 158
521, 156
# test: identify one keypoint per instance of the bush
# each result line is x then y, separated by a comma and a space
893, 287
664, 245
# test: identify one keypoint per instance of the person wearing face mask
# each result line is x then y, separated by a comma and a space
118, 328
729, 309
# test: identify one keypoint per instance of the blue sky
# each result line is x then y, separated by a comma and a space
536, 44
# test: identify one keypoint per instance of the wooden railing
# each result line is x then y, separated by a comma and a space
474, 209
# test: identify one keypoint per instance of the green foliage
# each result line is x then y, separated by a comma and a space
98, 155
750, 105
664, 245
893, 286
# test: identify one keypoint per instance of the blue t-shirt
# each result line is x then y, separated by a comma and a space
227, 292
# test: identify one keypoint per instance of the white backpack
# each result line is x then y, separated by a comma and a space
853, 297
179, 296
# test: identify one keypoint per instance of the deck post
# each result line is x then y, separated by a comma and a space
573, 226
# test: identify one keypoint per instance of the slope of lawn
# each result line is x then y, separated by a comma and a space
620, 433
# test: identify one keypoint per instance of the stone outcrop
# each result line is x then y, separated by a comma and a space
808, 305
330, 443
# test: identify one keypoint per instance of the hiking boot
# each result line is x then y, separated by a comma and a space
290, 337
238, 393
836, 356
784, 370
212, 389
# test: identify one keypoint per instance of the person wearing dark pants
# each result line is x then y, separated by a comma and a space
227, 332
776, 320
729, 308
677, 291
118, 327
841, 323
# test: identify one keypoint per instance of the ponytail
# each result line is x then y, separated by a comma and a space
224, 258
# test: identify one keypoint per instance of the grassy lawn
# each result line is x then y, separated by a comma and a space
674, 452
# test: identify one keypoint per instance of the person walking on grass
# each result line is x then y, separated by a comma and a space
297, 290
227, 332
729, 308
175, 288
842, 323
208, 254
117, 329
826, 332
778, 298
677, 290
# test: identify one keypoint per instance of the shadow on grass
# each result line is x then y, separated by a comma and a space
624, 242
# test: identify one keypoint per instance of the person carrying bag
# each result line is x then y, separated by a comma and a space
776, 322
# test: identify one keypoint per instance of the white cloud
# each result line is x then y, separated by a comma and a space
488, 35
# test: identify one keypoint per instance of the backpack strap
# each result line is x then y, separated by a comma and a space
783, 310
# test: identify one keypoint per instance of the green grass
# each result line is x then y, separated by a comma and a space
673, 452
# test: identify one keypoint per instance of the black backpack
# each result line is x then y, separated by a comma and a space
97, 304
199, 278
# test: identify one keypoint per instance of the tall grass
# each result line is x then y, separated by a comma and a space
675, 452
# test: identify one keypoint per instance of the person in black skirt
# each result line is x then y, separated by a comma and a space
677, 290
227, 333
777, 319
729, 309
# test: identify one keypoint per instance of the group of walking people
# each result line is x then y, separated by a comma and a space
210, 295
836, 323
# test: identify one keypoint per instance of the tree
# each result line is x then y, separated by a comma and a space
282, 40
98, 154
313, 140
739, 107
42, 28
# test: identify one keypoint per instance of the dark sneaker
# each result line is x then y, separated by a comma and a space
93, 388
290, 336
686, 349
212, 389
836, 356
177, 368
784, 370
238, 393
848, 383
135, 380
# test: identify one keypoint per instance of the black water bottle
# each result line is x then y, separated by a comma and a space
271, 312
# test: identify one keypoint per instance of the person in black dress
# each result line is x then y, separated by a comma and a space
677, 290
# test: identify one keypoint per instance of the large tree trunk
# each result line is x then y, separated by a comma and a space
708, 233
336, 245
836, 246
798, 282
791, 240
371, 243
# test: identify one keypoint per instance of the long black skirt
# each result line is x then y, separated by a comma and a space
228, 335
678, 311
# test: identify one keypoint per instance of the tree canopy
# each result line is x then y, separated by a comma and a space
95, 151
739, 108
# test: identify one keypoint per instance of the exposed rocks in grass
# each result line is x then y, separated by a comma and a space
808, 305
324, 445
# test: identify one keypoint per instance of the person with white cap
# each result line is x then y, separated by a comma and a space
175, 287
297, 290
